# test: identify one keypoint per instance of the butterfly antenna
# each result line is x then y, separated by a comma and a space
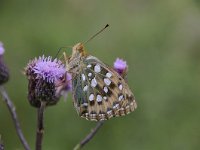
107, 25
60, 50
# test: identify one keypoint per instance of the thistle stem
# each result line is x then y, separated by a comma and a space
13, 113
40, 126
89, 136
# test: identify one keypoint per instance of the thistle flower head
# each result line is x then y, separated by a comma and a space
4, 73
43, 74
1, 48
48, 69
120, 66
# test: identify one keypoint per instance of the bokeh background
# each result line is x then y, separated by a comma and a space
160, 40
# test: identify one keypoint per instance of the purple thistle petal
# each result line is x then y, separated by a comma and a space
2, 50
47, 69
120, 65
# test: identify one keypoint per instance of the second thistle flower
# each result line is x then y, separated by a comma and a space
121, 67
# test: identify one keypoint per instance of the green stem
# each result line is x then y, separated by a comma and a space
89, 136
40, 126
13, 113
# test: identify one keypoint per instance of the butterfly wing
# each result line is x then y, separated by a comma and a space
100, 93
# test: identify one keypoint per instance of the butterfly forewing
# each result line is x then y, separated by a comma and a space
100, 93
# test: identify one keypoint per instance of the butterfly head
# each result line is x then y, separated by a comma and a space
78, 53
78, 50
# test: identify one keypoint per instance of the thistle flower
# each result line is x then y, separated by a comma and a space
4, 74
121, 67
43, 75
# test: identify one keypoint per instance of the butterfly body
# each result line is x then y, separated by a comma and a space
99, 92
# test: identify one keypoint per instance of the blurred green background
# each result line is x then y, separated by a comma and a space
160, 41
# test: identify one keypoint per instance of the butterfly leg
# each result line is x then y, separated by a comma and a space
65, 57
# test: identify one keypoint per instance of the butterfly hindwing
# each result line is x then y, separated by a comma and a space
100, 93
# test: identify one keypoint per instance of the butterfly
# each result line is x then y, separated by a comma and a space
99, 92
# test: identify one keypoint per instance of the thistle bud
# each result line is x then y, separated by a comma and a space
121, 67
4, 74
43, 74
